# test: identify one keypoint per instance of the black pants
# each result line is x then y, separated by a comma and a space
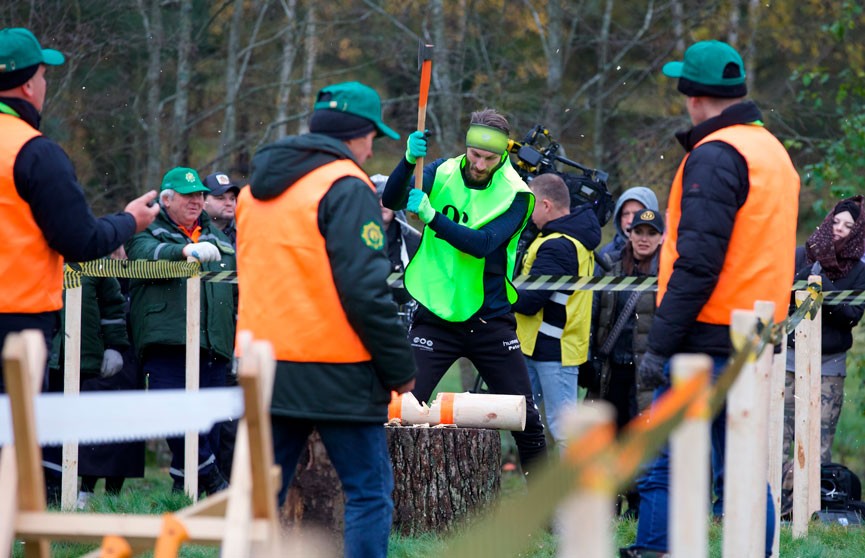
494, 349
622, 393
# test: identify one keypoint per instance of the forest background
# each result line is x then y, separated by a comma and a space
153, 84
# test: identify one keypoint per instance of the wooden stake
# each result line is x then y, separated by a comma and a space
71, 388
745, 453
193, 348
690, 452
815, 401
802, 441
776, 435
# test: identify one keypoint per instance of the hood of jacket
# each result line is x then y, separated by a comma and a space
581, 224
641, 194
276, 166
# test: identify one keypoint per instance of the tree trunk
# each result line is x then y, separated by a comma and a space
151, 17
311, 56
441, 476
180, 143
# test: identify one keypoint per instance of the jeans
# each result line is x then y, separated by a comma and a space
359, 454
654, 486
166, 366
555, 386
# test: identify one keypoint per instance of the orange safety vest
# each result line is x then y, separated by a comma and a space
31, 272
759, 260
287, 295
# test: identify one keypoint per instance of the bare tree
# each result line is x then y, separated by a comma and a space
151, 18
289, 53
601, 85
311, 52
180, 136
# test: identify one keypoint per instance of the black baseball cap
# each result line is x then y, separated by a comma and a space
219, 183
650, 218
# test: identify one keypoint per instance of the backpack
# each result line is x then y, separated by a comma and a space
840, 496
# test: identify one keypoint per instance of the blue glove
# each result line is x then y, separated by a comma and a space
415, 146
418, 202
650, 372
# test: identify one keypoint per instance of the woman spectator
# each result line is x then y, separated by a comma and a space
834, 252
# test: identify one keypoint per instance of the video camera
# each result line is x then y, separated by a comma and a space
538, 154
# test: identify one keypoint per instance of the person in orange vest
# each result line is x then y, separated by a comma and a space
312, 270
44, 216
733, 200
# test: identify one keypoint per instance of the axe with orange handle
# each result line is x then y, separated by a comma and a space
424, 61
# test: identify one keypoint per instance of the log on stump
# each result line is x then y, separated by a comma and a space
442, 475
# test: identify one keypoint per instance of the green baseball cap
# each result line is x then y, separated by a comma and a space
183, 180
20, 49
353, 97
709, 68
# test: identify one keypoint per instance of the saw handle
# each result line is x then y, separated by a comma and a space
115, 547
173, 535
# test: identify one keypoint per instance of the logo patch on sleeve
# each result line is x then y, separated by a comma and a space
372, 235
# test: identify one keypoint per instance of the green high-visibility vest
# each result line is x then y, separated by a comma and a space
442, 278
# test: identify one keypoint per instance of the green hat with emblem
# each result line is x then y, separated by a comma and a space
183, 180
19, 49
709, 69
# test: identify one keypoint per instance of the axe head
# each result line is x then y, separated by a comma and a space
424, 52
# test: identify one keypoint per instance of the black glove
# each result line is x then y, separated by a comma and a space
650, 373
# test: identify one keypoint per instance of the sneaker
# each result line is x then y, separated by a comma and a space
212, 481
83, 499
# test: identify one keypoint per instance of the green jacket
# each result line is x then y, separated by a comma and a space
158, 311
103, 324
353, 392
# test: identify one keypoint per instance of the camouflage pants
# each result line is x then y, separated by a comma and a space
831, 400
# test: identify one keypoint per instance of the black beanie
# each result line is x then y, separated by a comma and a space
340, 125
11, 80
848, 205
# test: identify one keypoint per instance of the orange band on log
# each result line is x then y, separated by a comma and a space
446, 412
394, 408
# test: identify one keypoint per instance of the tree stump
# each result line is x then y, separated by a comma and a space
442, 475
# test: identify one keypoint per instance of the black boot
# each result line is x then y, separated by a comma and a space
632, 552
212, 481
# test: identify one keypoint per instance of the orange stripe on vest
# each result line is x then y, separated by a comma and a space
287, 295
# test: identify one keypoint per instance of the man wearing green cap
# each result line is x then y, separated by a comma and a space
475, 206
157, 314
733, 200
312, 270
44, 216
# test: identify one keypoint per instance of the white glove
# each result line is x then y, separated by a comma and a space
203, 251
112, 362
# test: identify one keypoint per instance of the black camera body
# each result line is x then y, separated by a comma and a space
538, 154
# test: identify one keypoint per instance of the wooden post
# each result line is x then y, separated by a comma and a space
765, 312
193, 344
586, 518
23, 367
815, 400
690, 451
71, 387
745, 454
802, 440
776, 435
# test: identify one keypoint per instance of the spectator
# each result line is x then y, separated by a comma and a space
43, 212
220, 203
630, 203
732, 202
834, 252
553, 327
313, 282
474, 207
158, 314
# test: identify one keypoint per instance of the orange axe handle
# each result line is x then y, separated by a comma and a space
425, 72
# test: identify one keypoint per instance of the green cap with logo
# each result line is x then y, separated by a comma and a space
709, 69
20, 49
183, 180
357, 99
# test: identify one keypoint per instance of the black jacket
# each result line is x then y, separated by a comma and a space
838, 319
708, 214
558, 257
357, 392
